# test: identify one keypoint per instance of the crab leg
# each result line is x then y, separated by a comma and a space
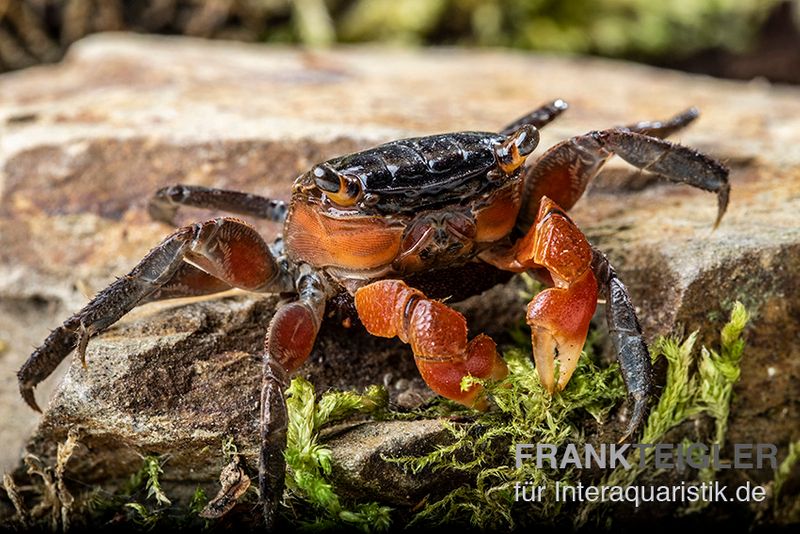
290, 339
227, 249
188, 281
663, 129
539, 117
564, 171
559, 317
627, 338
165, 202
437, 335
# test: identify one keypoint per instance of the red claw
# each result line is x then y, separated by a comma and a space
437, 335
559, 320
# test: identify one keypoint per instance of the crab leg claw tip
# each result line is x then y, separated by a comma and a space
722, 202
548, 348
545, 352
27, 394
640, 403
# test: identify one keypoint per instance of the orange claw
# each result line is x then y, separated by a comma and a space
559, 321
437, 335
559, 317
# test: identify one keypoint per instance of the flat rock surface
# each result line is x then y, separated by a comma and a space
84, 143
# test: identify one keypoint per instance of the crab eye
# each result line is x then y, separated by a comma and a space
326, 179
349, 191
511, 153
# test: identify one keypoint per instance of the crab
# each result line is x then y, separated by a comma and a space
383, 235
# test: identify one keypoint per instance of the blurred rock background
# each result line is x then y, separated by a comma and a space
739, 39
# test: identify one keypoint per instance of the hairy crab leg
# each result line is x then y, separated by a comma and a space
559, 317
165, 202
564, 171
290, 339
437, 335
226, 248
539, 117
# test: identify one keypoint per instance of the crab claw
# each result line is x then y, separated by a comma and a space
559, 320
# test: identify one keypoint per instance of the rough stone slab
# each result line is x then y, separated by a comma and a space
190, 377
83, 144
360, 468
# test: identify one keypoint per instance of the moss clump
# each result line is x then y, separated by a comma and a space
309, 462
485, 448
148, 475
527, 414
143, 503
693, 389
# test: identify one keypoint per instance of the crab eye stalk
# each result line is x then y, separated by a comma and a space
526, 139
511, 153
341, 189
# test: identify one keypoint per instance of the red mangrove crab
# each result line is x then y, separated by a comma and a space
386, 233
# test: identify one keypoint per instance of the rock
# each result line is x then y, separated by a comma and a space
361, 469
87, 141
164, 396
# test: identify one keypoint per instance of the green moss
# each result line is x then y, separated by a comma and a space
786, 509
229, 449
309, 462
146, 515
142, 498
142, 501
197, 504
150, 472
485, 448
718, 372
525, 413
690, 391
